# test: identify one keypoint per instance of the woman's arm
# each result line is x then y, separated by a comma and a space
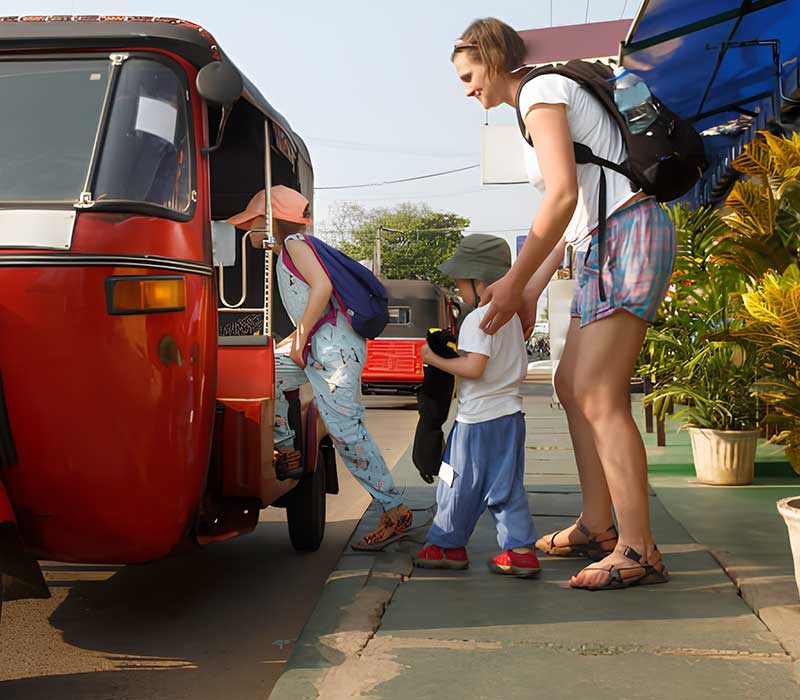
547, 124
469, 366
533, 290
318, 296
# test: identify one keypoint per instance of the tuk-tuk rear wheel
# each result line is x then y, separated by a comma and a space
305, 509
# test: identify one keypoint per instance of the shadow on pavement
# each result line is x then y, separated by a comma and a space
187, 626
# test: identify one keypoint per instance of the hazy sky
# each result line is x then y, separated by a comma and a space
369, 87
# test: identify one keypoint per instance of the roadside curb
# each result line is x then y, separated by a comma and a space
353, 602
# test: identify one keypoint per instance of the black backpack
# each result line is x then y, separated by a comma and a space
665, 161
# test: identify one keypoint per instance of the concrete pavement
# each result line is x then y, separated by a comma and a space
384, 630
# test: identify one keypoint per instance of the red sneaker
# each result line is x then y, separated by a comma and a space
511, 563
433, 557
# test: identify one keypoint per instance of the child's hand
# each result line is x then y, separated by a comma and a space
427, 354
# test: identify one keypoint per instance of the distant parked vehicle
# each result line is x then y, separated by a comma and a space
394, 362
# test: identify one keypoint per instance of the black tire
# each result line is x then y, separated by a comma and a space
305, 509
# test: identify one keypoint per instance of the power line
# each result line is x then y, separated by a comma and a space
380, 148
405, 179
586, 21
624, 7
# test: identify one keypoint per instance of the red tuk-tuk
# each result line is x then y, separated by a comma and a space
394, 361
137, 352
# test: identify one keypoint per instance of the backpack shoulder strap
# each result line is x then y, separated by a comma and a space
594, 77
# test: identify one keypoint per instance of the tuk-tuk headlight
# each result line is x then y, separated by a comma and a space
145, 295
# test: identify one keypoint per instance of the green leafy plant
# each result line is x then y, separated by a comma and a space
763, 214
690, 352
771, 315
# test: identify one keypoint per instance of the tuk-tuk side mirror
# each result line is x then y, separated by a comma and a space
220, 84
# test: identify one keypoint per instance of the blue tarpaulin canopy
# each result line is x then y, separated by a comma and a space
716, 61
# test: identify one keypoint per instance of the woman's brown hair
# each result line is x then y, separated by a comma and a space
492, 43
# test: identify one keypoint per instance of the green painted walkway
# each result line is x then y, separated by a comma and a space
384, 630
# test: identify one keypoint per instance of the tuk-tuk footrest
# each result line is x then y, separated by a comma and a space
289, 464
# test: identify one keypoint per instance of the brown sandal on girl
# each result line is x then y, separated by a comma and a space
595, 549
640, 574
395, 524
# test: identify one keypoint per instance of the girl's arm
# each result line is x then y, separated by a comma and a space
469, 366
547, 124
288, 340
318, 296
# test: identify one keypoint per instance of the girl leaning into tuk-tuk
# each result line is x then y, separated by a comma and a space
325, 351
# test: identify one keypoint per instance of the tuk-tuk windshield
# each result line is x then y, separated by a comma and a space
146, 154
49, 111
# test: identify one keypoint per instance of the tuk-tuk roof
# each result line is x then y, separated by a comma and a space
412, 289
185, 39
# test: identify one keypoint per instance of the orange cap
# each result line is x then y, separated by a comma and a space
287, 205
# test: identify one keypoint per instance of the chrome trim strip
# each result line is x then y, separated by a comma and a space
152, 262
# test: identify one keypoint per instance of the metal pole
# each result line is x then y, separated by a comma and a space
268, 242
376, 262
376, 266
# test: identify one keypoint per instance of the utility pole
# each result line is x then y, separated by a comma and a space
376, 255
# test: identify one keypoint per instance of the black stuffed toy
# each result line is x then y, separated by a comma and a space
433, 403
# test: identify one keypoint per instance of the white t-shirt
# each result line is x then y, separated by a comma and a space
592, 125
496, 393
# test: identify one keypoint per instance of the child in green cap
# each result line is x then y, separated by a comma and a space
484, 459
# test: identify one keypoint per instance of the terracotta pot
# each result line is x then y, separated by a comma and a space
724, 457
789, 508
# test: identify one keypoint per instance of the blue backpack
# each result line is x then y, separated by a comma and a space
360, 294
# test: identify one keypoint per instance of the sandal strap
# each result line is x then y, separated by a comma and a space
594, 535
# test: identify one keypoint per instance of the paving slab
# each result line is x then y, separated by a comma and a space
400, 633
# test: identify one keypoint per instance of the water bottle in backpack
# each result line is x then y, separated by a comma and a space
634, 100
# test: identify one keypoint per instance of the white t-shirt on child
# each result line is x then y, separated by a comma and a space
497, 392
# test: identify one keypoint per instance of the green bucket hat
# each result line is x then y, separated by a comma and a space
480, 256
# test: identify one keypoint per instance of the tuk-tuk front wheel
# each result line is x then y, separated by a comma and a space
305, 509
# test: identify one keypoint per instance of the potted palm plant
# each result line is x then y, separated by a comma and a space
712, 389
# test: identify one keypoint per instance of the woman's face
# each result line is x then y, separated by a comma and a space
476, 81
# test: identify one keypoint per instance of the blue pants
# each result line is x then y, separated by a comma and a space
489, 464
334, 371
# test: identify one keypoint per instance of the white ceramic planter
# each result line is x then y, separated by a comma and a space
789, 508
724, 457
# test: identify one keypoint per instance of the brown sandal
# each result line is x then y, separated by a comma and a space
395, 524
640, 574
593, 549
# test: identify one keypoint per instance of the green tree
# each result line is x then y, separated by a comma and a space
418, 241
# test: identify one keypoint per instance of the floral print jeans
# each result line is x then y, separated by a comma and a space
334, 367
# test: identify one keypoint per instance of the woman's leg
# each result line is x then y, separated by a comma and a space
609, 350
595, 494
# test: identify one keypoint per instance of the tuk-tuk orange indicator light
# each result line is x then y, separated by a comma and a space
142, 295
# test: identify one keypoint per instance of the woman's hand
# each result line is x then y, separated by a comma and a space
505, 299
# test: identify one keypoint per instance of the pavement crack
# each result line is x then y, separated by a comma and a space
599, 649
